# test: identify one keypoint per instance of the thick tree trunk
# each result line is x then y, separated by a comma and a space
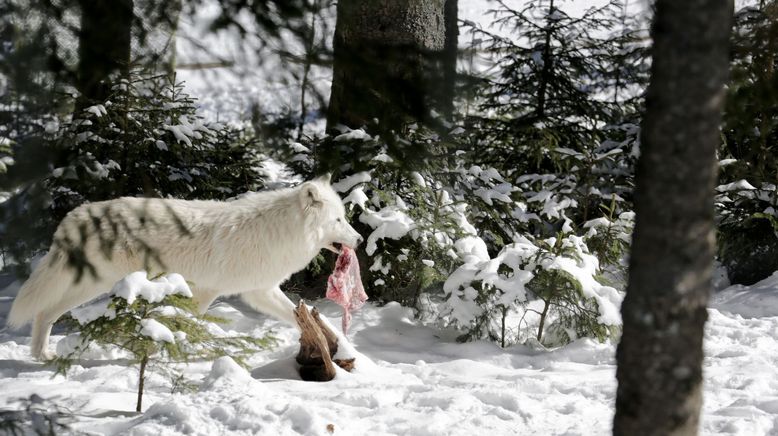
103, 47
660, 354
387, 62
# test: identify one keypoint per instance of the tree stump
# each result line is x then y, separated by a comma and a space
317, 346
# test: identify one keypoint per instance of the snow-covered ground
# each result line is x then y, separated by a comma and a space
411, 380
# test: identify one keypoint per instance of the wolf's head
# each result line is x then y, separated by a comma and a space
327, 215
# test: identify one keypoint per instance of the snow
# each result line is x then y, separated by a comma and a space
471, 249
356, 196
755, 301
137, 285
90, 312
349, 182
353, 135
156, 331
390, 222
97, 110
736, 186
225, 371
414, 380
418, 179
383, 157
186, 130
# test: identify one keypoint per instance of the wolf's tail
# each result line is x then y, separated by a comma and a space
41, 291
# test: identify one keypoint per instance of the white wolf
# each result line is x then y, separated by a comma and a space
247, 246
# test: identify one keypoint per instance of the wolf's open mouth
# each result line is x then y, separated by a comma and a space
336, 247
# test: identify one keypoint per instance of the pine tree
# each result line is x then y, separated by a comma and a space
155, 320
544, 93
751, 112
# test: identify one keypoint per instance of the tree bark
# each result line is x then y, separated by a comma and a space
385, 58
141, 381
103, 46
548, 60
318, 346
450, 56
660, 354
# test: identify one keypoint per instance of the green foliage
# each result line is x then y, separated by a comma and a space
530, 289
417, 253
550, 149
747, 230
747, 242
178, 314
608, 237
552, 81
750, 131
127, 326
575, 314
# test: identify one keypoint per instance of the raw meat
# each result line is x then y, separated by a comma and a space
344, 285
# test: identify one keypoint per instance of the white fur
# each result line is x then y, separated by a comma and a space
247, 246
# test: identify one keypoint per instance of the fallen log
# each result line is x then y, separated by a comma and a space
317, 346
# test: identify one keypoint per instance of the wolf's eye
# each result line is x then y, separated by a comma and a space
338, 220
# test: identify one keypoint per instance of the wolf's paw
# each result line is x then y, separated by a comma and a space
43, 355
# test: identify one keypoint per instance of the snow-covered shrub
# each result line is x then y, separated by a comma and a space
582, 207
543, 288
154, 320
429, 234
746, 205
410, 221
747, 230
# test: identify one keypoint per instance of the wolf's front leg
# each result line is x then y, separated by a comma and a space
272, 302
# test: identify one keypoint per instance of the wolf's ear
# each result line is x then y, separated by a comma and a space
324, 178
310, 196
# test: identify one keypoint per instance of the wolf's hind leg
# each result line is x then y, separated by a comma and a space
76, 294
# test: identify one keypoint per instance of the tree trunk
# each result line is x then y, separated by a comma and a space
542, 324
660, 354
385, 58
103, 47
141, 381
450, 56
548, 60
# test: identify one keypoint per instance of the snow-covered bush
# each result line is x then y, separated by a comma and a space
409, 220
532, 289
747, 230
429, 233
153, 320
